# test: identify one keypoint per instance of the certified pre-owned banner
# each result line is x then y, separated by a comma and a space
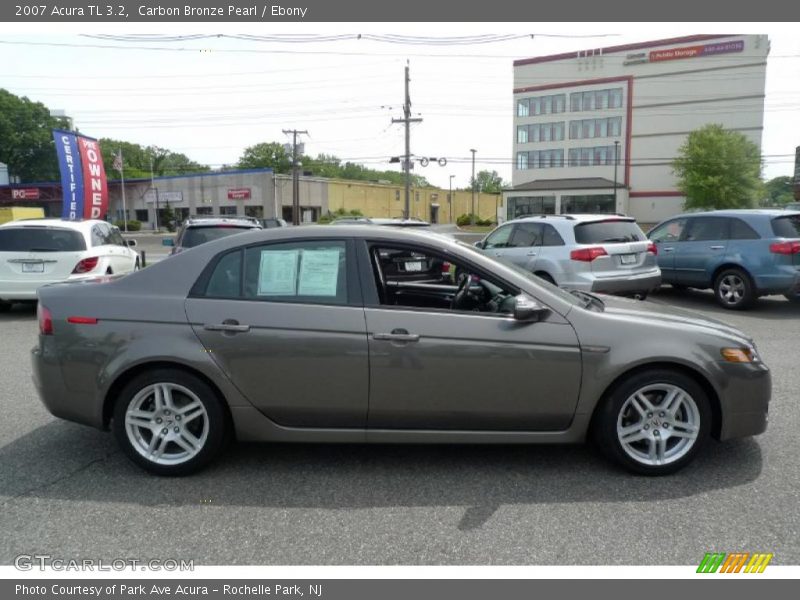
83, 176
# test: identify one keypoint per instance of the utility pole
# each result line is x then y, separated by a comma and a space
450, 198
155, 189
616, 161
295, 175
472, 209
407, 120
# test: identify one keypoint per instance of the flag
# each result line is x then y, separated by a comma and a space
71, 174
118, 161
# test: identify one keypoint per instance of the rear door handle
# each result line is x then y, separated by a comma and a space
531, 254
397, 335
229, 325
716, 247
668, 249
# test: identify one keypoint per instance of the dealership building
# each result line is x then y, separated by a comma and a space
598, 130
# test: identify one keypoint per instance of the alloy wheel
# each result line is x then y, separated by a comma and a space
731, 289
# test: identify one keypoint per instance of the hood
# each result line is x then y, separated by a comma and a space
669, 315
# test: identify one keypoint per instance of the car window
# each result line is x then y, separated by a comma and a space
303, 272
226, 280
704, 229
788, 227
551, 237
116, 237
499, 237
526, 235
98, 236
194, 236
608, 231
40, 239
668, 232
739, 230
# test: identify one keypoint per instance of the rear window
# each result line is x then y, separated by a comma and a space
194, 236
40, 239
600, 232
788, 227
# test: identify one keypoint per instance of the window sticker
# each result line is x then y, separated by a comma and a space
277, 273
319, 273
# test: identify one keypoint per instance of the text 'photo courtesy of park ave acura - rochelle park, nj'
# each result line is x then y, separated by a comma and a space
504, 299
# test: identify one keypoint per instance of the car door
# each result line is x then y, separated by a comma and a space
496, 243
701, 250
285, 322
465, 370
125, 257
667, 237
524, 245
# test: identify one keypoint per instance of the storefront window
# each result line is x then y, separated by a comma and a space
592, 204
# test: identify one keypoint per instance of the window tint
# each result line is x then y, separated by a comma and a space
297, 272
551, 237
116, 237
742, 231
98, 237
499, 237
668, 232
788, 227
225, 281
702, 229
194, 236
526, 234
40, 239
598, 232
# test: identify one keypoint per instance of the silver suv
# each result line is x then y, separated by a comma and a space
595, 253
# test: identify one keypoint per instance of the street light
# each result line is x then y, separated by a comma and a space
472, 209
616, 161
450, 198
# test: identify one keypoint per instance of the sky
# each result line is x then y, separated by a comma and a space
211, 98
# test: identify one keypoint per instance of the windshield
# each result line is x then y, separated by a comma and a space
195, 236
610, 231
40, 239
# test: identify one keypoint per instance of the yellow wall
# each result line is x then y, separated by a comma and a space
379, 200
11, 213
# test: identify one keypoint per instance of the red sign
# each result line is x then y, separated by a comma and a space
239, 194
25, 194
95, 189
694, 51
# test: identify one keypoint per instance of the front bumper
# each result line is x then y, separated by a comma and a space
744, 399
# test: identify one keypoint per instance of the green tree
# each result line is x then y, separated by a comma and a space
26, 139
136, 160
717, 168
270, 155
488, 181
778, 190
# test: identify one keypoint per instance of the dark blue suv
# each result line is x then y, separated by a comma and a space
740, 254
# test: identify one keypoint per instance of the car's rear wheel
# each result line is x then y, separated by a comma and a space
169, 422
4, 306
793, 297
545, 276
734, 290
655, 422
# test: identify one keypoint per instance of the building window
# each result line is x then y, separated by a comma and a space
598, 203
522, 107
141, 215
585, 157
397, 195
204, 210
416, 196
541, 105
595, 100
540, 159
522, 161
227, 210
522, 134
541, 132
521, 206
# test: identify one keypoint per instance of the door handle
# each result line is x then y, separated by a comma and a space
228, 325
397, 335
668, 249
530, 254
716, 247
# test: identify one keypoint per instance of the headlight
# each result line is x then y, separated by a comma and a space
747, 354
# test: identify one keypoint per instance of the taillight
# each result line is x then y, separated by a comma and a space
45, 320
588, 254
86, 265
785, 248
652, 248
82, 320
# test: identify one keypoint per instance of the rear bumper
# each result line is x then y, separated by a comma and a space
785, 280
26, 290
644, 283
745, 400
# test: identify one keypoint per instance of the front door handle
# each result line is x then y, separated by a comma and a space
228, 325
397, 335
531, 254
670, 249
716, 247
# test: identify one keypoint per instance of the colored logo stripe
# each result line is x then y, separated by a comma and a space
711, 562
758, 563
733, 563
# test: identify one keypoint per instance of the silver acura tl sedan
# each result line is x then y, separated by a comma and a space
364, 334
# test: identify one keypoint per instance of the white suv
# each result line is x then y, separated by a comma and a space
36, 252
594, 253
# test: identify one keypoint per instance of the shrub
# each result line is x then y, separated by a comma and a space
132, 225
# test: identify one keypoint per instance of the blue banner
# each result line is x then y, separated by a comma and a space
69, 163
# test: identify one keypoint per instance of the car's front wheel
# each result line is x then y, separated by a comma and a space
169, 422
655, 422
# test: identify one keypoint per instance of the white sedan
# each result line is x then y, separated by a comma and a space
36, 252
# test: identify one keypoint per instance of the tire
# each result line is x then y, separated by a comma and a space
733, 289
790, 297
634, 428
193, 417
4, 306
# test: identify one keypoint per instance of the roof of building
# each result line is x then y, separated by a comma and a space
575, 183
621, 48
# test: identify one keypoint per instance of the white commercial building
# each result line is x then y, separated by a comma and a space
597, 130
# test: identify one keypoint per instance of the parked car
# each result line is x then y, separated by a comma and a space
594, 253
199, 230
386, 222
740, 254
272, 223
313, 334
35, 252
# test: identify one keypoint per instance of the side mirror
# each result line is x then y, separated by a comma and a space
131, 243
528, 310
480, 245
168, 242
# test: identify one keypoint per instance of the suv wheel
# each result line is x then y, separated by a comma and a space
655, 422
169, 422
733, 289
4, 306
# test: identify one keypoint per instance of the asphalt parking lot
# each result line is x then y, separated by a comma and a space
67, 491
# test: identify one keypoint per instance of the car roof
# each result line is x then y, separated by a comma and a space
573, 218
214, 221
83, 226
739, 212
